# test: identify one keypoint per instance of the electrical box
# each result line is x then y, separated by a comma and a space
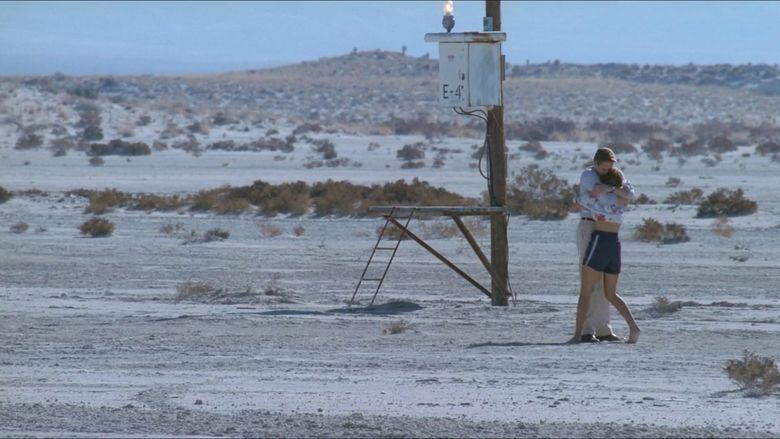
470, 68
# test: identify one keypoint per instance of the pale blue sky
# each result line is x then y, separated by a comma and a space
188, 37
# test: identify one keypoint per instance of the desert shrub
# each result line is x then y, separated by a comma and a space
5, 195
287, 198
308, 127
268, 230
170, 228
413, 165
231, 206
101, 202
198, 128
205, 199
543, 129
651, 230
19, 227
96, 161
84, 91
721, 144
373, 146
119, 147
397, 327
725, 202
97, 227
221, 118
298, 230
721, 227
271, 132
326, 148
92, 132
540, 194
155, 202
662, 306
410, 152
693, 196
418, 125
271, 144
337, 198
535, 147
170, 131
143, 120
757, 375
28, 141
767, 148
673, 182
190, 145
691, 148
448, 229
215, 234
391, 233
193, 290
655, 148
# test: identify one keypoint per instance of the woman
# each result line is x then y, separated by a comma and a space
602, 257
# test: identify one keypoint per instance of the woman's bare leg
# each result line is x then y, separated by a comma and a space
610, 291
588, 278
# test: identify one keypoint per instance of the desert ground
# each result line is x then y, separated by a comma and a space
103, 338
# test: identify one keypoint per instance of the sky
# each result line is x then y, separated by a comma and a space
179, 37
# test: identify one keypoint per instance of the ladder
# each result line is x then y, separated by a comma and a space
380, 247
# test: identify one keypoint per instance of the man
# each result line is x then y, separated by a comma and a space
597, 327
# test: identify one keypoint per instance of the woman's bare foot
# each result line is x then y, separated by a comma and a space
633, 335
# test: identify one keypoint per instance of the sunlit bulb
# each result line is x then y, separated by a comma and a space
448, 21
448, 7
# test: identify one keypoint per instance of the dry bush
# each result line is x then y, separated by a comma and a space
101, 202
119, 147
721, 227
655, 148
28, 141
298, 230
193, 290
691, 197
326, 148
96, 161
149, 202
725, 202
268, 230
19, 227
673, 182
662, 306
690, 148
307, 127
535, 147
721, 144
651, 230
5, 195
170, 228
286, 198
397, 327
768, 148
757, 375
439, 229
372, 146
543, 129
411, 152
215, 234
413, 165
540, 194
143, 120
97, 227
198, 128
392, 233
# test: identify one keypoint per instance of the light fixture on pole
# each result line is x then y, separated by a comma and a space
449, 20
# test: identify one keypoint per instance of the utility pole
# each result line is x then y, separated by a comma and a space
499, 247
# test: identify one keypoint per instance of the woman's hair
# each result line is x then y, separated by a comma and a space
613, 178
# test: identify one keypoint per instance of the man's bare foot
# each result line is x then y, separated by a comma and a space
633, 335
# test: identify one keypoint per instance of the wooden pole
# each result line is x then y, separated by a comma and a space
499, 247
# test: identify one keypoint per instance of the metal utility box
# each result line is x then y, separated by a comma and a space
470, 68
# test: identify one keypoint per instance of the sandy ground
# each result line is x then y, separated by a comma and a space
96, 344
